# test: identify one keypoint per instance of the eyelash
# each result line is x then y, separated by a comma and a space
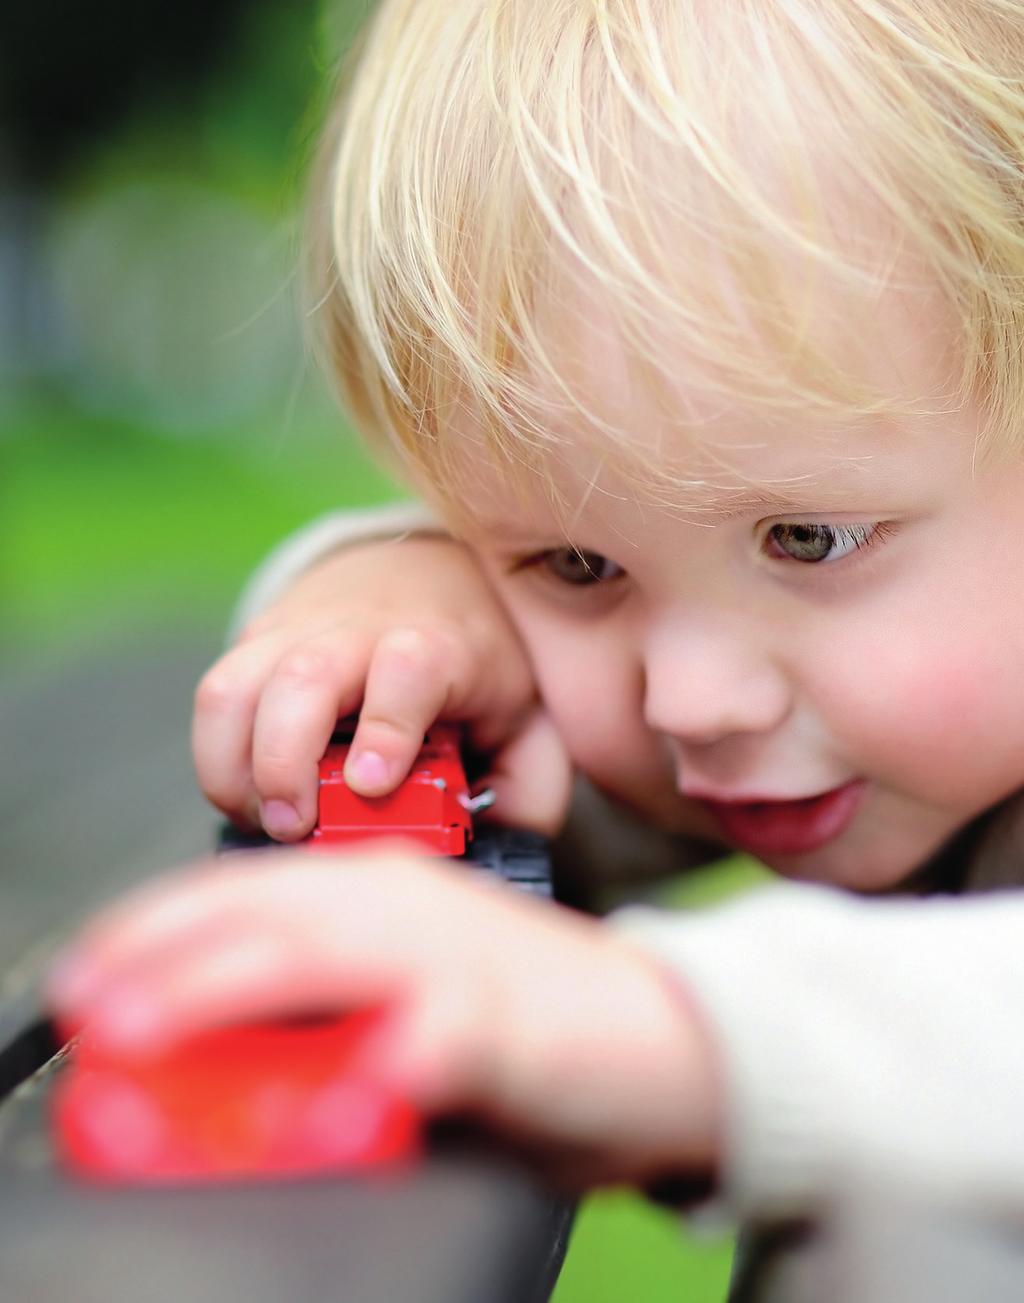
547, 560
857, 537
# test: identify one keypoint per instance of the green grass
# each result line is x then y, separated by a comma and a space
625, 1249
103, 519
99, 517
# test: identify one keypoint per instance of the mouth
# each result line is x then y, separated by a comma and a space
787, 827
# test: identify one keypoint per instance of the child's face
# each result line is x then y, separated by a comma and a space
857, 637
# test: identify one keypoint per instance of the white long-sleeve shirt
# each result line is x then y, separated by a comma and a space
861, 1041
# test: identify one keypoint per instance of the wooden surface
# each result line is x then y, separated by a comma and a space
96, 789
96, 793
461, 1228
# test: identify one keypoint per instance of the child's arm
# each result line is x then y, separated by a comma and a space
865, 1045
806, 1045
392, 522
402, 629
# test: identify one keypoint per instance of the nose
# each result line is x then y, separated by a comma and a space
703, 686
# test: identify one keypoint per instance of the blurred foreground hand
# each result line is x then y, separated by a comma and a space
540, 1022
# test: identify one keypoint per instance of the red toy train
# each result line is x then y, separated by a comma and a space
432, 806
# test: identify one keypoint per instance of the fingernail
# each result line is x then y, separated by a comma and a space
369, 769
279, 818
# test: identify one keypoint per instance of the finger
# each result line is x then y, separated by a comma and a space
231, 978
311, 685
142, 926
337, 906
225, 706
532, 778
408, 685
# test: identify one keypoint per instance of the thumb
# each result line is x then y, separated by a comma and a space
531, 777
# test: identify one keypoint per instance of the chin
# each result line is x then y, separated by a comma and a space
870, 870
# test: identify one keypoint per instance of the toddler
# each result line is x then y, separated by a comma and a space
696, 329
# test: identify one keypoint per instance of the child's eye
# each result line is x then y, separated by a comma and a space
813, 543
572, 566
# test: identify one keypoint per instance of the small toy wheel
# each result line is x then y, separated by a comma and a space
521, 858
230, 838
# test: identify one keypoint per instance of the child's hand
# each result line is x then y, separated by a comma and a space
542, 1022
412, 631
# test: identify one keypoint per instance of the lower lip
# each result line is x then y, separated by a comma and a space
788, 827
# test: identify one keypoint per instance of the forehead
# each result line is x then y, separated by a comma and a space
890, 333
678, 441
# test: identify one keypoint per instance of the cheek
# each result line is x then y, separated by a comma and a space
946, 725
593, 690
927, 709
588, 695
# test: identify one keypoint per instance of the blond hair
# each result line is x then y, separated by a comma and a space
480, 148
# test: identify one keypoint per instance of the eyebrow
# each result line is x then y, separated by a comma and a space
511, 535
744, 501
704, 510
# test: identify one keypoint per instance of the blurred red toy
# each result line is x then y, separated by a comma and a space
249, 1102
269, 1100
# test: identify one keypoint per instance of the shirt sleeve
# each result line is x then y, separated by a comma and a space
318, 540
864, 1044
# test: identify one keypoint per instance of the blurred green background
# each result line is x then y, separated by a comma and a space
160, 424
